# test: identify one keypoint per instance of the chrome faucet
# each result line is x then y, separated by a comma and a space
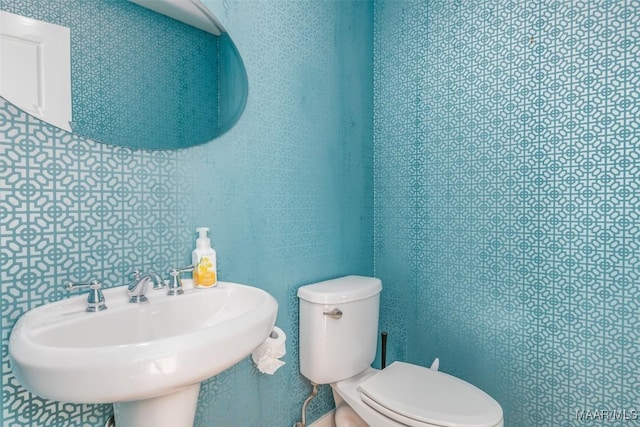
138, 286
175, 284
95, 299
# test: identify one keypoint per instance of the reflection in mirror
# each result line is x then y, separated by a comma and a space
141, 79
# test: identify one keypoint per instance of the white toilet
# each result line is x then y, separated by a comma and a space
338, 338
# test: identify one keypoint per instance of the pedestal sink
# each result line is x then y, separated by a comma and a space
147, 358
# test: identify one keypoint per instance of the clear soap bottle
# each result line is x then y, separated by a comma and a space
203, 258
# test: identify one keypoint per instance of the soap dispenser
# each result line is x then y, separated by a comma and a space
204, 261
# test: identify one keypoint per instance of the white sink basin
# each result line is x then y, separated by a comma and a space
132, 352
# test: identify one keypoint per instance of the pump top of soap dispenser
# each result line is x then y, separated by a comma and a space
203, 242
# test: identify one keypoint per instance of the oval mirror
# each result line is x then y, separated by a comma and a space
151, 74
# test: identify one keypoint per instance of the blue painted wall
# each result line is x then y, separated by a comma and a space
287, 193
138, 78
507, 184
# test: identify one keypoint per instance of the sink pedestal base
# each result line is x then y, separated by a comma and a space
177, 409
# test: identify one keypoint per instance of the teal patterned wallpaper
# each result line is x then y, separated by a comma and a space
505, 145
507, 185
287, 193
138, 77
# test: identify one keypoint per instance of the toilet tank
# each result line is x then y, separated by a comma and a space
334, 348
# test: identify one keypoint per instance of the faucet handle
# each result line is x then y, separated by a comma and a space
175, 284
136, 274
184, 269
95, 299
92, 284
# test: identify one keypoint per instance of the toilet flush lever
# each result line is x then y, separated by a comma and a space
336, 313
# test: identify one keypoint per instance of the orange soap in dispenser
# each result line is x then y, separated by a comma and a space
204, 261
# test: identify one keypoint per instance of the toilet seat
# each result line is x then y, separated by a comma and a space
416, 396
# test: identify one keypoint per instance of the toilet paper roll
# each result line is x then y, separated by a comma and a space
267, 355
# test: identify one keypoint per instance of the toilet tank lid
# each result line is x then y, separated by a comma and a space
340, 290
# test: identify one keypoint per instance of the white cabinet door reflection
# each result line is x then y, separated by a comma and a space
35, 67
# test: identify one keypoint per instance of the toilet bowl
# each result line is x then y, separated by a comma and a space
346, 392
338, 338
443, 403
345, 416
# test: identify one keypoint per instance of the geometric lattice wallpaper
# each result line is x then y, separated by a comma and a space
507, 199
287, 194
